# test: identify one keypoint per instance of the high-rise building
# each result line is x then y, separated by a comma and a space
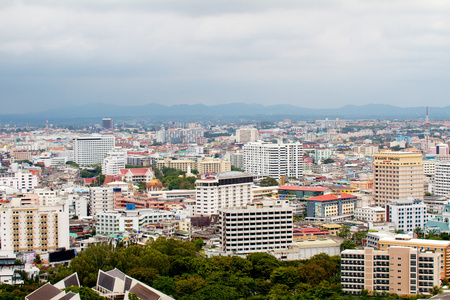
108, 123
246, 134
399, 270
179, 135
91, 150
114, 161
273, 160
398, 175
101, 199
442, 179
258, 227
231, 189
28, 226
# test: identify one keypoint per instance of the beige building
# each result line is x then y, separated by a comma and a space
370, 214
397, 175
399, 270
203, 165
440, 247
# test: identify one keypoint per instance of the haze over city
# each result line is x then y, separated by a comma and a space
308, 53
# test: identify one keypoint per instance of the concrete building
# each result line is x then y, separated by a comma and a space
322, 154
397, 175
429, 168
331, 206
370, 214
407, 214
108, 124
273, 160
399, 270
101, 199
237, 160
373, 238
21, 179
258, 227
246, 134
137, 175
231, 189
114, 161
91, 150
179, 135
127, 220
32, 227
442, 179
211, 165
440, 247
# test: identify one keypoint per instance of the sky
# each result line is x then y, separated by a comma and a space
310, 53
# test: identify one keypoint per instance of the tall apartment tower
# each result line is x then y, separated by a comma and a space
114, 161
230, 189
398, 175
399, 270
108, 123
442, 179
91, 150
274, 160
247, 134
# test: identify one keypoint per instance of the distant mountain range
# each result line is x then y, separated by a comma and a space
254, 111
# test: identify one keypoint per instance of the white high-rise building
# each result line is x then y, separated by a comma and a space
407, 214
101, 199
442, 179
230, 189
32, 227
273, 160
91, 150
21, 179
114, 161
259, 227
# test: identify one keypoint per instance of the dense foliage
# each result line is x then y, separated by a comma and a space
174, 268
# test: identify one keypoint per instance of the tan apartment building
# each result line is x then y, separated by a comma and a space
442, 248
203, 165
397, 175
399, 270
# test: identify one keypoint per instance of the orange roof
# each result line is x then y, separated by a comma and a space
136, 171
331, 197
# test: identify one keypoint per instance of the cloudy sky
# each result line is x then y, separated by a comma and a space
312, 53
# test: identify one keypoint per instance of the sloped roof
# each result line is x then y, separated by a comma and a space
303, 188
331, 197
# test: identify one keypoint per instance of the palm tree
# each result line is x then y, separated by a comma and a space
435, 290
418, 231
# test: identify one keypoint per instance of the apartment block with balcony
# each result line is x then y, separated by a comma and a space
399, 270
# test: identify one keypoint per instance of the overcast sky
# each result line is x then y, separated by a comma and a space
311, 53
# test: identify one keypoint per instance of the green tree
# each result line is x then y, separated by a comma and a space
436, 290
328, 161
347, 244
268, 181
344, 231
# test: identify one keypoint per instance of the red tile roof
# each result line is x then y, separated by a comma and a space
136, 171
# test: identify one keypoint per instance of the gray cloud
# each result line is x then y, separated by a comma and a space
308, 53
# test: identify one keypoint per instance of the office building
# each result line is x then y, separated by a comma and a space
258, 227
397, 175
91, 150
231, 189
407, 214
28, 226
179, 135
108, 124
273, 160
237, 160
399, 270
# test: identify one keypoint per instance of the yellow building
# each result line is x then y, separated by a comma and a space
332, 228
403, 240
203, 165
397, 175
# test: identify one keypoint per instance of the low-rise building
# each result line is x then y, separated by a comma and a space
370, 214
331, 206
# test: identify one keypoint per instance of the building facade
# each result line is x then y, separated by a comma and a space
91, 150
331, 205
114, 161
442, 179
258, 227
231, 189
407, 214
397, 175
273, 160
399, 270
